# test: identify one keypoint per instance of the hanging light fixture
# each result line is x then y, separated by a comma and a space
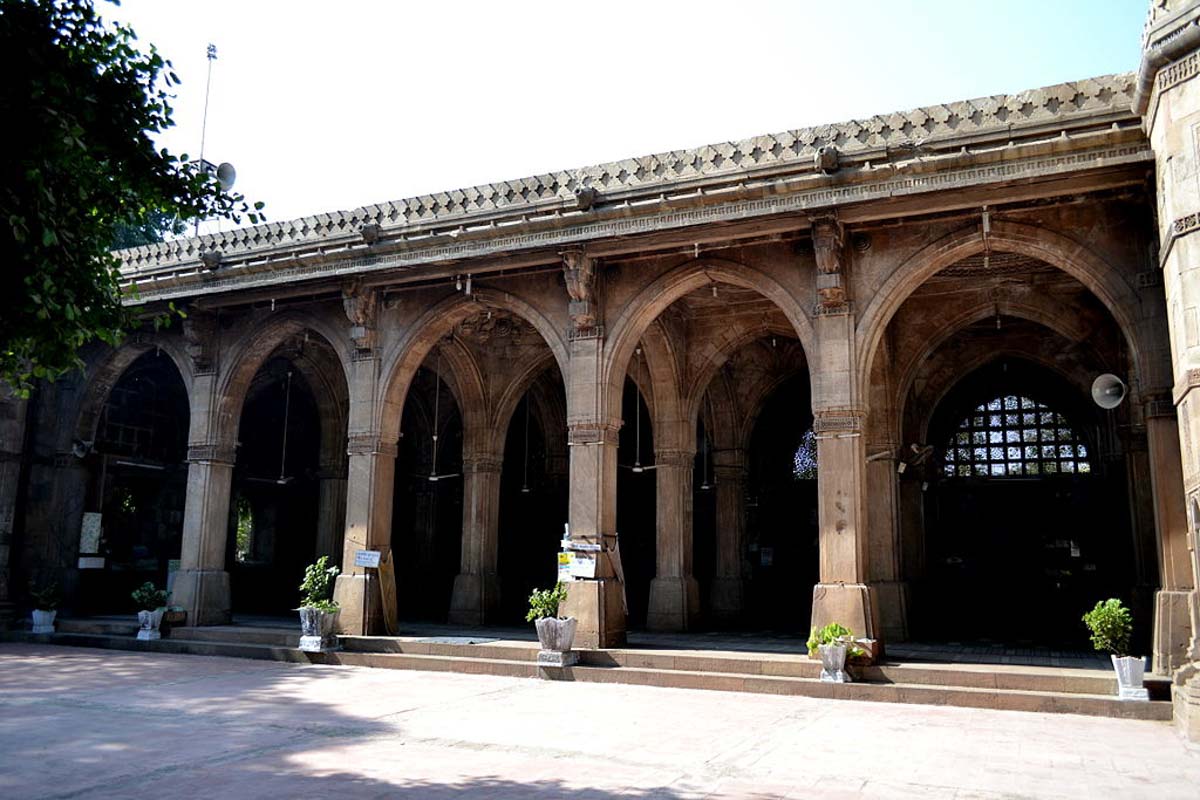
525, 477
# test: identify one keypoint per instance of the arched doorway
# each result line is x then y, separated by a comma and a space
139, 483
637, 499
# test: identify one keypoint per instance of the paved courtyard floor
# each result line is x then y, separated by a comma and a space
93, 723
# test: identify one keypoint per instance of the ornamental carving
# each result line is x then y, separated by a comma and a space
829, 246
369, 444
838, 420
579, 271
200, 338
362, 309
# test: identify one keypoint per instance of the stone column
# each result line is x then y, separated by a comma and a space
727, 596
331, 509
674, 594
202, 584
1167, 95
1172, 614
370, 483
883, 524
476, 594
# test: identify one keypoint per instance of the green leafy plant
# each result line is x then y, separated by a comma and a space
1111, 625
46, 598
543, 603
149, 597
834, 633
317, 588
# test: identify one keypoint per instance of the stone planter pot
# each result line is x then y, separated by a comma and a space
43, 621
556, 635
833, 663
317, 630
1130, 670
149, 622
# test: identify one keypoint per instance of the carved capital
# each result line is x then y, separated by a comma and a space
369, 444
200, 338
1159, 405
210, 453
482, 462
579, 272
829, 244
834, 421
362, 309
592, 432
674, 458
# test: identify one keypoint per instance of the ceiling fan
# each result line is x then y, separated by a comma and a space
637, 467
433, 476
284, 479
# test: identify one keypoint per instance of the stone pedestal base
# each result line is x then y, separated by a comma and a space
599, 607
850, 604
204, 594
891, 598
557, 658
727, 598
475, 599
1172, 631
148, 636
1185, 696
674, 604
359, 614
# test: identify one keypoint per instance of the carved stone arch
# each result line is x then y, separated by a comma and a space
662, 363
721, 418
715, 356
402, 360
759, 400
506, 403
630, 327
107, 370
258, 345
1099, 276
465, 380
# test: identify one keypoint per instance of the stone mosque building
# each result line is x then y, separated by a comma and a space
841, 373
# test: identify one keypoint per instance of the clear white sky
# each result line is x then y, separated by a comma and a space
331, 105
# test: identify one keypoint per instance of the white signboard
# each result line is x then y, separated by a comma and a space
583, 566
89, 533
564, 567
91, 562
366, 558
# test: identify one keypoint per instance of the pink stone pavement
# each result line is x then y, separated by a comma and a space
92, 723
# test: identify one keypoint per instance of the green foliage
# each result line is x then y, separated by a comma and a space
834, 633
544, 603
317, 589
245, 529
81, 171
148, 597
150, 230
45, 598
1111, 625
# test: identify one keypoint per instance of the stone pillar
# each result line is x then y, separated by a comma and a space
674, 593
476, 594
843, 594
331, 509
370, 483
202, 584
1172, 614
728, 588
883, 525
1167, 95
12, 443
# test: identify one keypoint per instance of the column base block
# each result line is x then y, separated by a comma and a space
850, 604
1185, 697
475, 599
1172, 630
600, 609
359, 614
204, 594
891, 598
727, 599
674, 604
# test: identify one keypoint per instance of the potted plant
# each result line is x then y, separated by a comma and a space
555, 634
152, 602
1111, 626
45, 607
832, 644
318, 612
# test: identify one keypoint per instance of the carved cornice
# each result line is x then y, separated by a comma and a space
833, 421
369, 444
216, 454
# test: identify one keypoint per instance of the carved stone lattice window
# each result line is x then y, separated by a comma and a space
1013, 436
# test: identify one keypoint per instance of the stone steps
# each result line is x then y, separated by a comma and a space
965, 685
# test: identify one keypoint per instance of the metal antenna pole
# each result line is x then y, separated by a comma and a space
211, 54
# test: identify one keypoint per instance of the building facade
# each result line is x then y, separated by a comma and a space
841, 373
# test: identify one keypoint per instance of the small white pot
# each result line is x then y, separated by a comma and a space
149, 622
1131, 671
43, 621
833, 663
317, 630
556, 635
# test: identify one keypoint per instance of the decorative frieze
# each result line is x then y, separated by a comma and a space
835, 421
585, 433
